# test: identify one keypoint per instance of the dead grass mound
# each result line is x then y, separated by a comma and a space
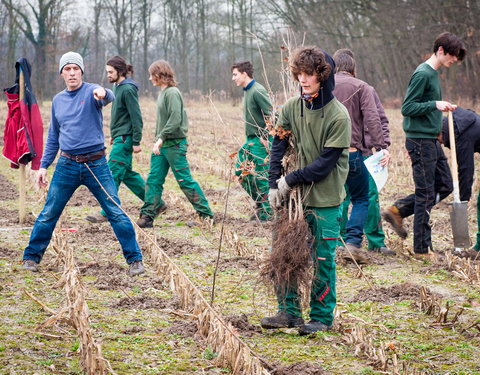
241, 323
388, 295
181, 327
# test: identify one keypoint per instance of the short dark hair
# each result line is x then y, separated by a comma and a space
162, 71
310, 60
451, 44
344, 61
120, 65
244, 67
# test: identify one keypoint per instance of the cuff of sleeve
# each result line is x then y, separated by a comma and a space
135, 143
291, 179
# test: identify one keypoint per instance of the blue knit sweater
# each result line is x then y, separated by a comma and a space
76, 125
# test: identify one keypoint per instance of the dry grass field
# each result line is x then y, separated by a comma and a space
395, 315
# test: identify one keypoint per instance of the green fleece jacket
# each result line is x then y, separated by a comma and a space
256, 105
422, 119
126, 116
172, 121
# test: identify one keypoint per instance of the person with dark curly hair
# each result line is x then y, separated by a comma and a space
320, 125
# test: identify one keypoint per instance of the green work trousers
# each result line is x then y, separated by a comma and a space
174, 157
120, 164
323, 224
252, 167
373, 225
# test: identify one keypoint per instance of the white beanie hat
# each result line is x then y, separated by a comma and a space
71, 58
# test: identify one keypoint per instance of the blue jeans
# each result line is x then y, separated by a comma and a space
68, 176
357, 185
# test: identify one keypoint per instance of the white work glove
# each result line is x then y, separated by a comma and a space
274, 199
283, 188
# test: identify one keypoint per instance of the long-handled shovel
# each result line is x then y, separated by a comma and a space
458, 210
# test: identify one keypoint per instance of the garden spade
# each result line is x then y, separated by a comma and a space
458, 209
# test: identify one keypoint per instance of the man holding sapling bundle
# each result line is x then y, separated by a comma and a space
253, 155
321, 128
422, 110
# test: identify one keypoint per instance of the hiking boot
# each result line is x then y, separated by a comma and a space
281, 320
162, 209
354, 253
429, 255
97, 218
30, 265
313, 326
136, 268
383, 250
145, 221
392, 216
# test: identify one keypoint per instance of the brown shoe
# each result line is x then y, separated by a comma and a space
145, 221
392, 215
428, 256
353, 252
97, 218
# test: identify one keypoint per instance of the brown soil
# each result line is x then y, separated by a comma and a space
241, 324
8, 190
248, 263
120, 281
99, 269
144, 302
304, 368
177, 246
135, 329
7, 253
388, 295
181, 327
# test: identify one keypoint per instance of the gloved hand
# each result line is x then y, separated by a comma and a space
274, 199
283, 188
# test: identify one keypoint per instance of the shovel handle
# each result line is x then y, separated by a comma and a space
453, 159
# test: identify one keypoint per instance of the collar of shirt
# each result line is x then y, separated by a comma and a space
249, 85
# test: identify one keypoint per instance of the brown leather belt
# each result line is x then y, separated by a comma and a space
84, 158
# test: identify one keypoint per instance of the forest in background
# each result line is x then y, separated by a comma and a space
202, 38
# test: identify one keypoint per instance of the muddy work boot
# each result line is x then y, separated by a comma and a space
352, 253
145, 221
313, 326
162, 209
281, 320
30, 265
97, 218
392, 216
383, 250
136, 268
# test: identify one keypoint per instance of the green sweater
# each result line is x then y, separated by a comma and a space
126, 116
256, 105
172, 121
422, 119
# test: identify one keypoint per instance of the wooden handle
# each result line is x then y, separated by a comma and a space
453, 159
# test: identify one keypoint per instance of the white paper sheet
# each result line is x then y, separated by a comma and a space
376, 170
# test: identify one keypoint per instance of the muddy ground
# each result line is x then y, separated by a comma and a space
139, 323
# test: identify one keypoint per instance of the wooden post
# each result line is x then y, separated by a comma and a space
21, 182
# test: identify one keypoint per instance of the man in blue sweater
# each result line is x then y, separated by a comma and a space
76, 128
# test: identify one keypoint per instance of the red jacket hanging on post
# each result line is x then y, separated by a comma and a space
23, 134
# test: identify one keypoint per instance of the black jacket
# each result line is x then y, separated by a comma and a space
467, 140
